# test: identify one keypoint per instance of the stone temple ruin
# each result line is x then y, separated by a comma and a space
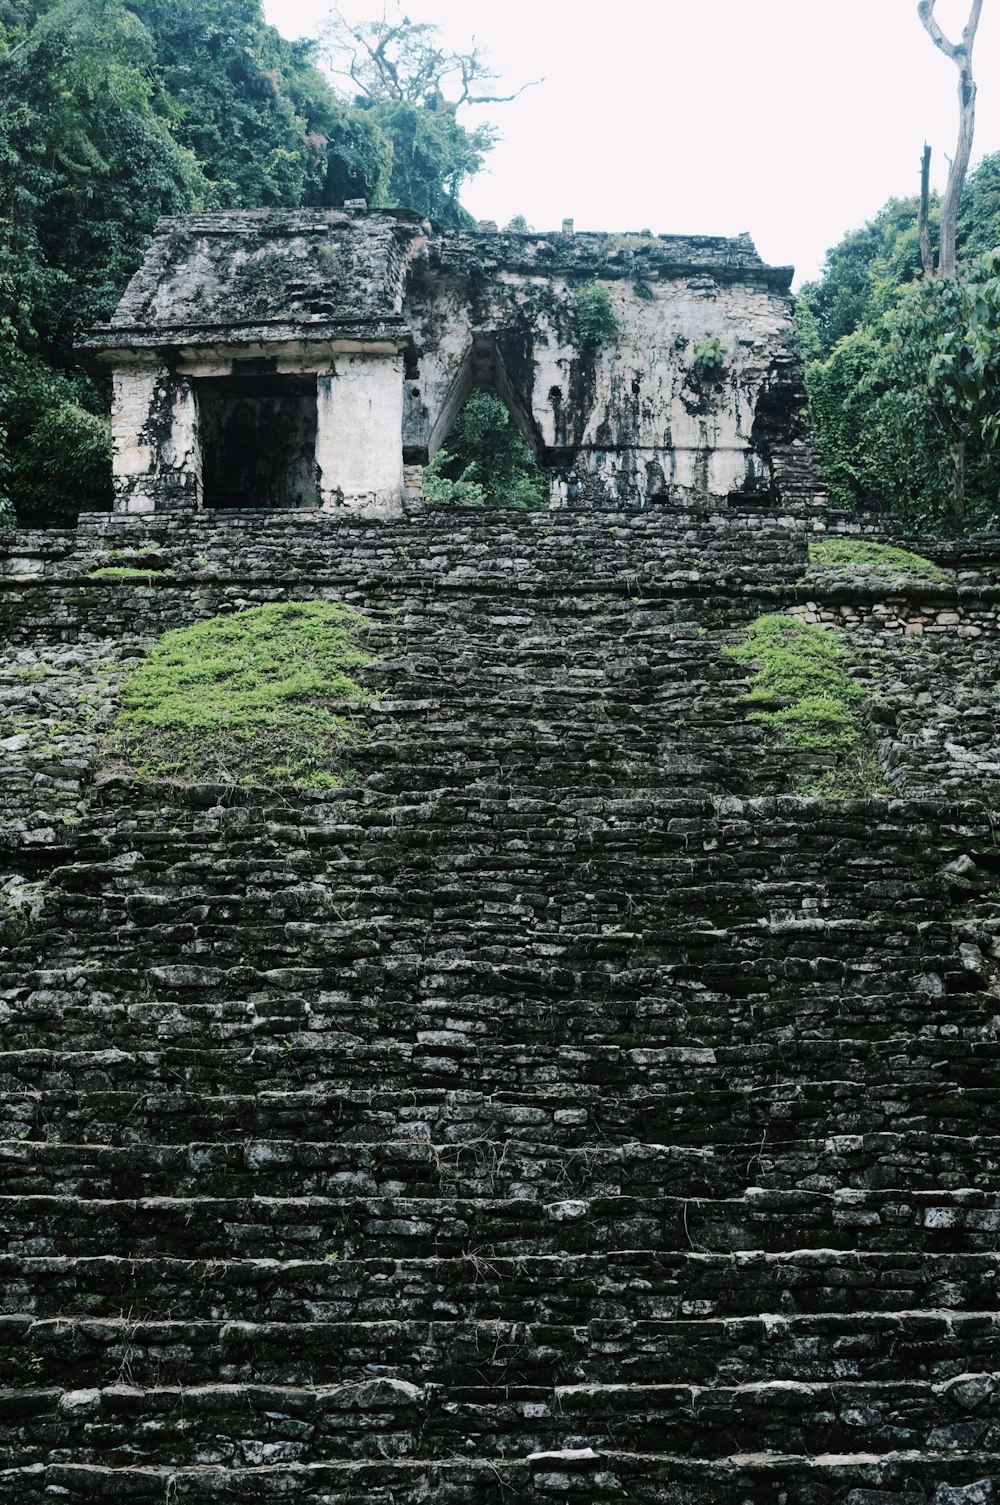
316, 361
585, 1102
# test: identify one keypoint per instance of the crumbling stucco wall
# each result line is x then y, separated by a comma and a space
400, 321
156, 456
625, 420
358, 449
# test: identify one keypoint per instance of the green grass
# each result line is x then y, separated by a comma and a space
849, 555
260, 697
798, 674
128, 572
137, 551
856, 778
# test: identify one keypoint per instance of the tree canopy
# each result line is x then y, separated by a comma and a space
904, 380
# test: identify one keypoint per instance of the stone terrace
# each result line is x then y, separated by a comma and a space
567, 1110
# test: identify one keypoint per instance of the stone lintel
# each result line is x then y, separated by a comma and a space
117, 344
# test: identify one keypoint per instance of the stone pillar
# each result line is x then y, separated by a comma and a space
154, 435
359, 435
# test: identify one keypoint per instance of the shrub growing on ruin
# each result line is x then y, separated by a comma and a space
596, 323
261, 697
708, 359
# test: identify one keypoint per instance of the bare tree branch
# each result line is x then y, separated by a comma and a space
961, 55
403, 60
925, 10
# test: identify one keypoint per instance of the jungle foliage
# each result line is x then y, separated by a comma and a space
486, 461
114, 112
904, 380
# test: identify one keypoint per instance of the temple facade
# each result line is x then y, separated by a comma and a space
316, 360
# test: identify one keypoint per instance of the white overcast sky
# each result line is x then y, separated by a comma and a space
793, 119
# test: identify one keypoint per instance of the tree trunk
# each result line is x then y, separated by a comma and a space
958, 485
961, 55
926, 249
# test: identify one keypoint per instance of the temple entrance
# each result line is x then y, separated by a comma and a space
258, 441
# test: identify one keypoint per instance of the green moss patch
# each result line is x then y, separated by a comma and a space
854, 556
128, 572
798, 673
261, 697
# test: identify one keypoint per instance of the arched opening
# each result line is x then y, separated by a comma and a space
484, 450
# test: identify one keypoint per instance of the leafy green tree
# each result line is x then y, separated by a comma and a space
58, 442
254, 110
902, 375
432, 156
487, 461
864, 272
979, 221
944, 356
86, 165
908, 408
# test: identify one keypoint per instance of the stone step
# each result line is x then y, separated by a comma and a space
689, 1077
714, 849
409, 963
166, 1114
860, 837
85, 1352
864, 1478
352, 863
82, 1021
242, 1425
691, 856
520, 1168
642, 1285
449, 931
681, 895
549, 1221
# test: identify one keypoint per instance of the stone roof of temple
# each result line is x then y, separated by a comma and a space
247, 275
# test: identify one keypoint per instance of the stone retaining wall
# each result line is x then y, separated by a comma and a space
567, 1109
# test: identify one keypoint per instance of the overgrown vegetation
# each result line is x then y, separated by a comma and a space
129, 572
803, 695
851, 556
260, 697
708, 358
115, 112
594, 315
487, 462
904, 380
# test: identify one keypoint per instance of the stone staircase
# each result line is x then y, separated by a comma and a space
563, 1111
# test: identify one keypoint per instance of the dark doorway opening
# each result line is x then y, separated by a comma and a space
258, 441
